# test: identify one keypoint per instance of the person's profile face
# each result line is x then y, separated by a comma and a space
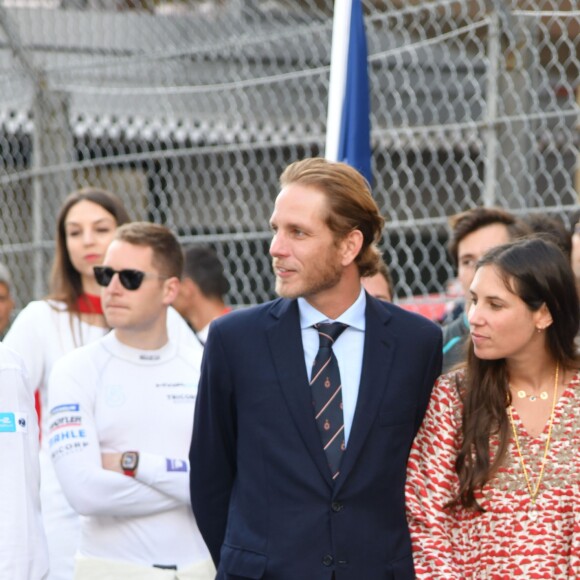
501, 323
473, 246
377, 286
306, 258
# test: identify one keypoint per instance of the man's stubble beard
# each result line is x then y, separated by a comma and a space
316, 282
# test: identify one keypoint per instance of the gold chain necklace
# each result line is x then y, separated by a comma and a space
533, 491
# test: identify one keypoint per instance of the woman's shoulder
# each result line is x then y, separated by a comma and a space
37, 315
575, 377
44, 306
572, 388
449, 388
54, 305
453, 379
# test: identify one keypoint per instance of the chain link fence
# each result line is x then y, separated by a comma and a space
190, 110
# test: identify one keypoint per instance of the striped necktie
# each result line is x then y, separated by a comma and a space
327, 395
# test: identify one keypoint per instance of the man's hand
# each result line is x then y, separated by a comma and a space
112, 462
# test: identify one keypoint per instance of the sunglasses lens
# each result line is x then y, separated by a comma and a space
131, 279
103, 275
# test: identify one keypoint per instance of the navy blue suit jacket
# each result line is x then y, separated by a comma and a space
261, 489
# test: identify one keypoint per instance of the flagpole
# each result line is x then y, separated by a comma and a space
348, 132
338, 70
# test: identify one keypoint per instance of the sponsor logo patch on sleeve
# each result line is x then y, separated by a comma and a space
21, 422
67, 408
14, 422
176, 465
7, 423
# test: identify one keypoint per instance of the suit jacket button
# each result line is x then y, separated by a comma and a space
336, 506
328, 560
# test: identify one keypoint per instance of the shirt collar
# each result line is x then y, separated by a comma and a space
354, 316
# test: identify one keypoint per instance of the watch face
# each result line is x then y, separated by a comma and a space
129, 460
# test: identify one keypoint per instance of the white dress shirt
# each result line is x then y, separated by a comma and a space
348, 349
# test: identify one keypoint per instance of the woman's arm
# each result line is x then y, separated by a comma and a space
432, 483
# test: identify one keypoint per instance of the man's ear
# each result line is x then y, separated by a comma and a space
170, 289
350, 246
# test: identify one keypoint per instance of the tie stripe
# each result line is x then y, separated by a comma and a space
329, 401
326, 389
320, 371
334, 437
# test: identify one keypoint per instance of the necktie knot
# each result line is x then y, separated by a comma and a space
329, 332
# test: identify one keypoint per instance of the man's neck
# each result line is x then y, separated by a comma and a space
151, 337
206, 312
338, 299
333, 309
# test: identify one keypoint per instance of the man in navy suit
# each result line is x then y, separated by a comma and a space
273, 498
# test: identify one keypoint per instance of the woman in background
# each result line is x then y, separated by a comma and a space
47, 329
493, 482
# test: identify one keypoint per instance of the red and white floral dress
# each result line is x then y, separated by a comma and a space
510, 540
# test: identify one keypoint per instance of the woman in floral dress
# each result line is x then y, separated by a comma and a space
493, 482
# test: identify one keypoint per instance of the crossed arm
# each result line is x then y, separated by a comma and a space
92, 480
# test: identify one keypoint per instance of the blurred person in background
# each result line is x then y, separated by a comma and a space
23, 553
473, 232
551, 228
492, 479
6, 300
380, 285
69, 317
202, 291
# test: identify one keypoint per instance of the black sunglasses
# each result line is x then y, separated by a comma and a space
130, 279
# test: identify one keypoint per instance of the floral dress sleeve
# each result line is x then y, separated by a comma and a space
432, 483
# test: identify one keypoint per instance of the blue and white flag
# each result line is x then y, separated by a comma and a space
348, 125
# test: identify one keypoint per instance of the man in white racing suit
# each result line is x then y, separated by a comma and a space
120, 424
23, 552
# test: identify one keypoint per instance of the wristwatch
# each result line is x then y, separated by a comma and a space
130, 462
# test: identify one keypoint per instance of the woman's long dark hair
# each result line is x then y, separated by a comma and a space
65, 281
538, 272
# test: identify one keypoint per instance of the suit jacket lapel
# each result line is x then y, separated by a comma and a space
285, 340
377, 361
